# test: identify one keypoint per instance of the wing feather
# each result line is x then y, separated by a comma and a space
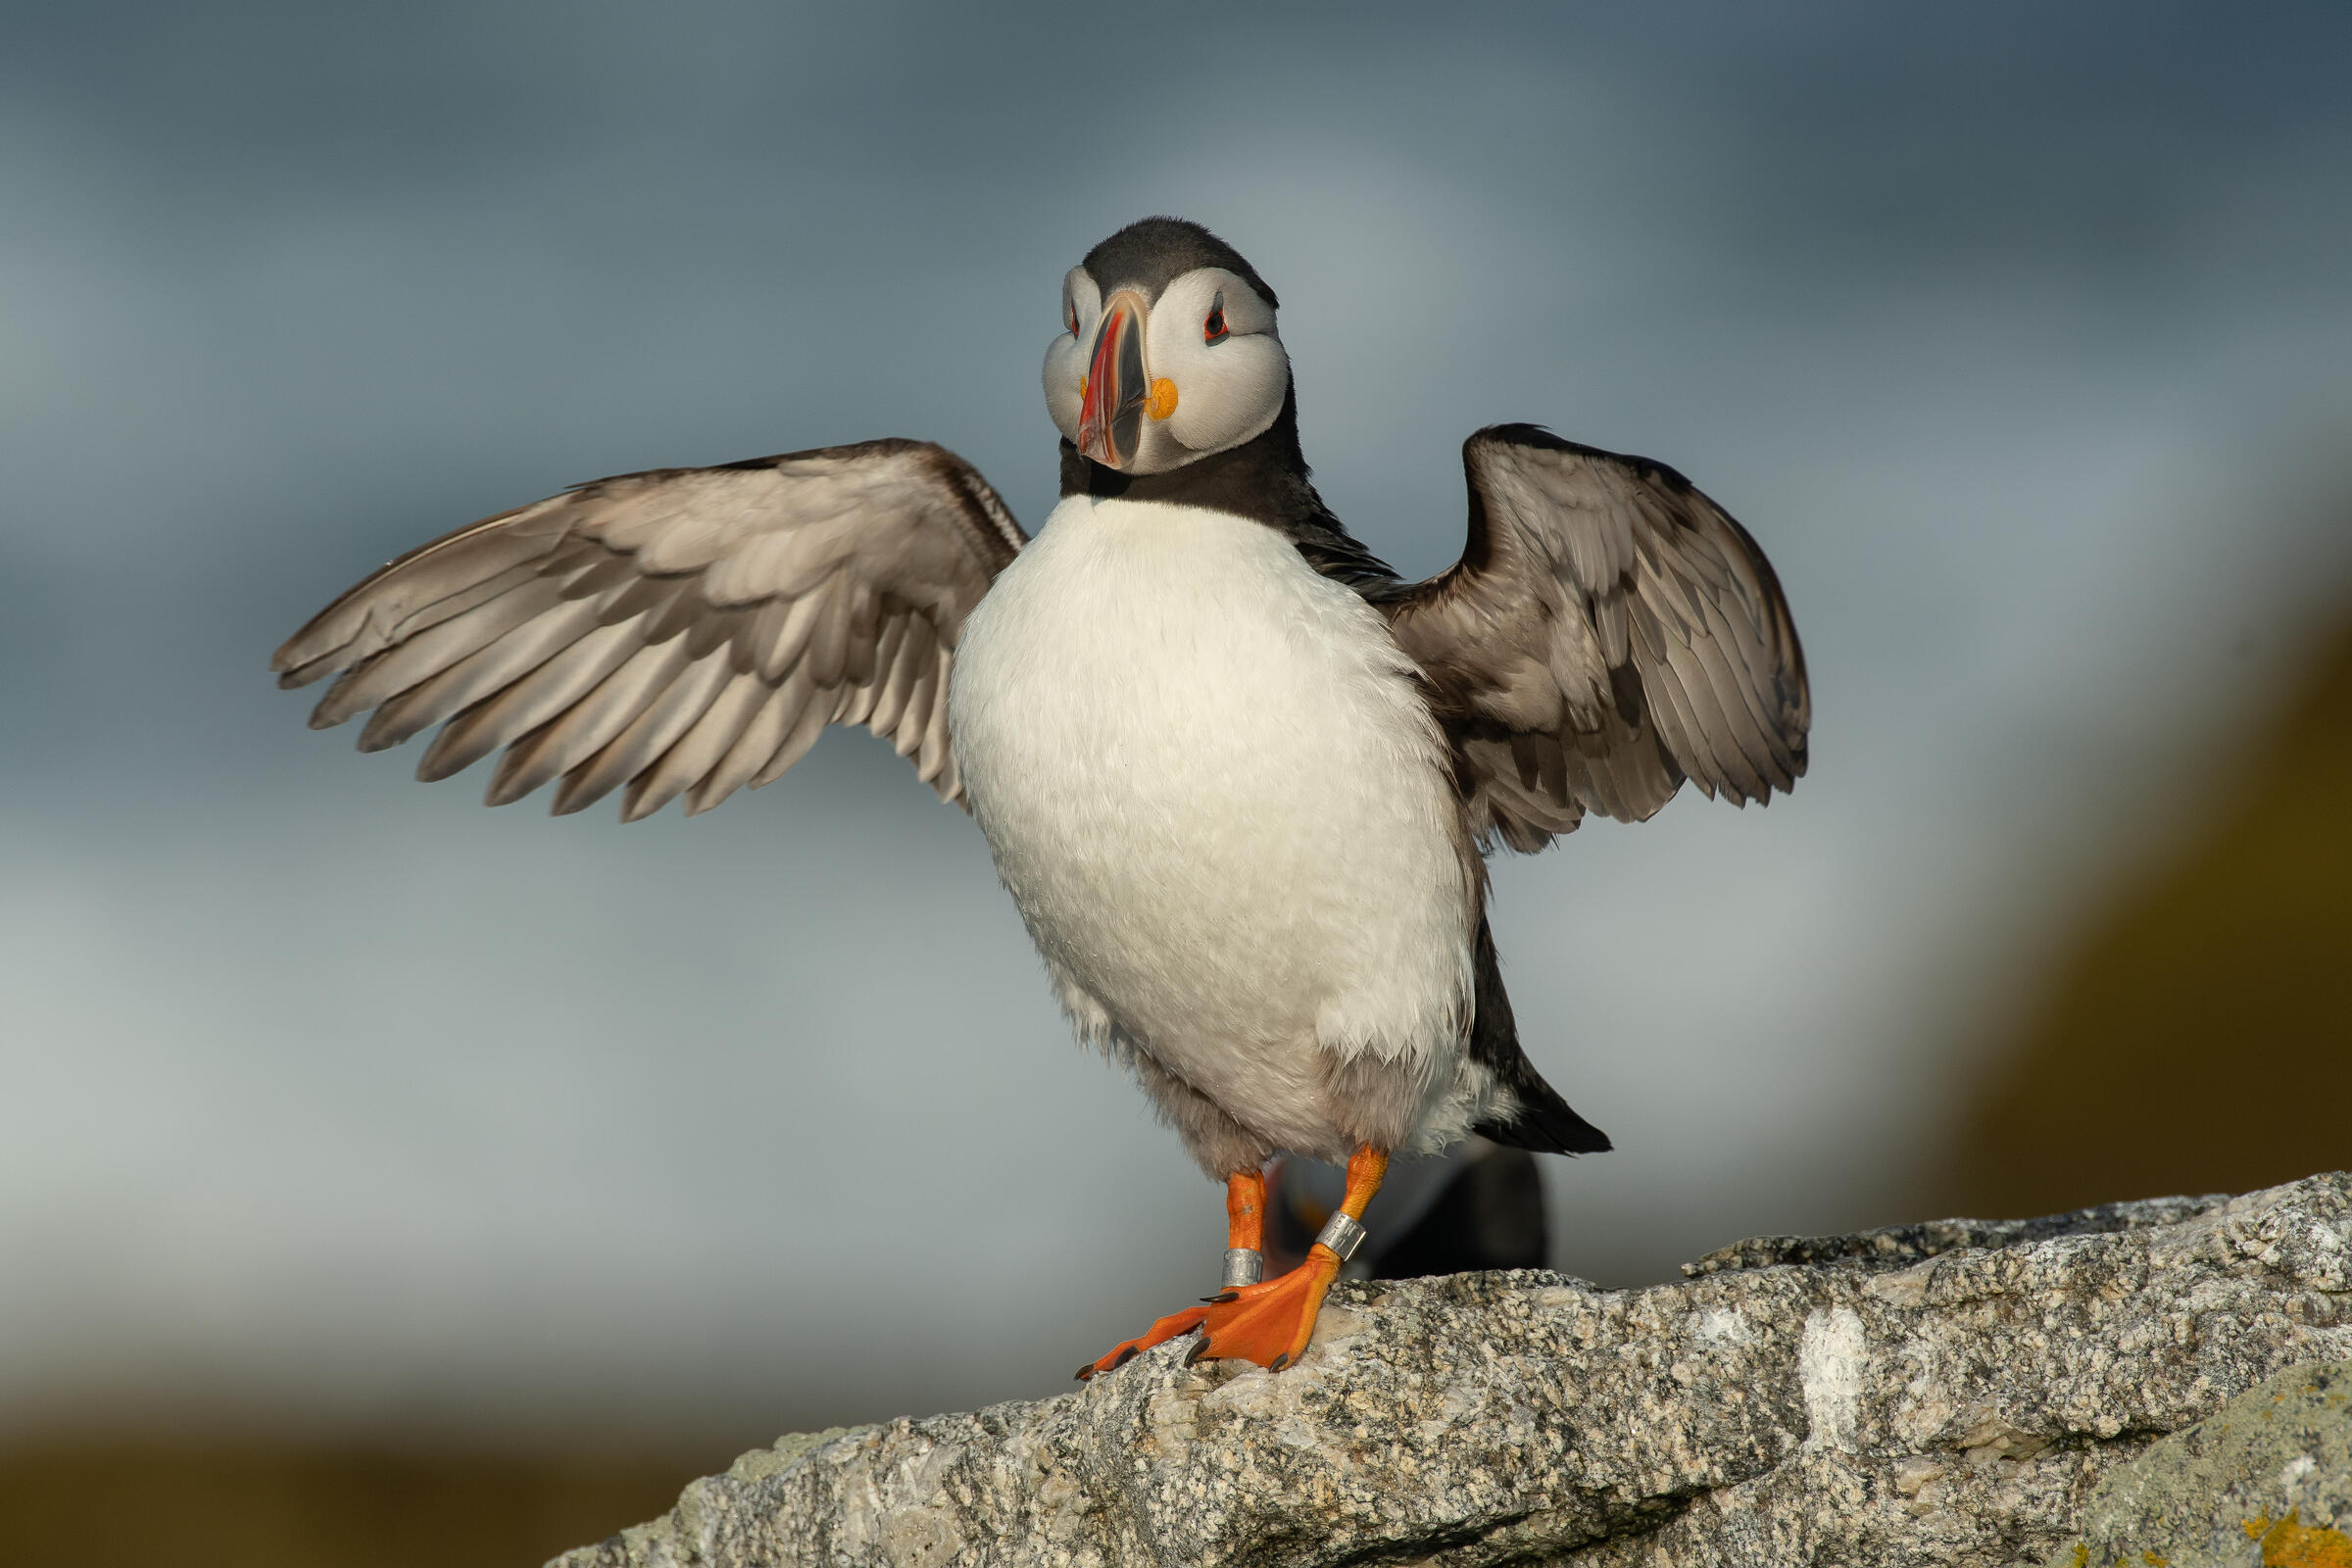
862, 620
751, 750
919, 701
472, 678
682, 631
806, 726
605, 573
668, 713
527, 702
893, 682
361, 623
935, 763
699, 751
582, 730
1608, 633
829, 649
425, 654
465, 598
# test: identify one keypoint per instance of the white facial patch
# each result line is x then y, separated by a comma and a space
1229, 390
1065, 356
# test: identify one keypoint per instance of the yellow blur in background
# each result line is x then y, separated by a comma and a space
2197, 1036
136, 1501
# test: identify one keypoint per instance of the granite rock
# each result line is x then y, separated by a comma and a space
1949, 1393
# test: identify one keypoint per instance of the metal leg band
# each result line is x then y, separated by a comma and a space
1342, 1235
1244, 1265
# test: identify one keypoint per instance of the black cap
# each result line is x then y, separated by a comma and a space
1154, 252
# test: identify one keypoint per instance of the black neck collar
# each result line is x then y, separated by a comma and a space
1265, 479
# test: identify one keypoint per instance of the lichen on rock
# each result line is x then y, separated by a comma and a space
2268, 1478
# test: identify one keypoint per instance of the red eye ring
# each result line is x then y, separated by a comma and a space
1213, 330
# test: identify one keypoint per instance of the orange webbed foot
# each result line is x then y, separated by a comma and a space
1173, 1326
1268, 1324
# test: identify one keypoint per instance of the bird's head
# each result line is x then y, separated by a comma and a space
1168, 351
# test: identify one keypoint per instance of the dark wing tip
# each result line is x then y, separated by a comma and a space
1546, 1125
314, 651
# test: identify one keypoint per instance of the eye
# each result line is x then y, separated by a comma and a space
1212, 330
1069, 316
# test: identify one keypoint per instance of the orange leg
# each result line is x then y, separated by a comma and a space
1244, 1227
1270, 1323
1245, 1213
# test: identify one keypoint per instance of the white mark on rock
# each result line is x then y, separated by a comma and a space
1722, 1325
1828, 1366
2295, 1469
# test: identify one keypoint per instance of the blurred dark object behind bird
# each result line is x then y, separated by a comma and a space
1479, 1207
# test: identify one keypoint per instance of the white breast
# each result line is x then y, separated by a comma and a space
1217, 798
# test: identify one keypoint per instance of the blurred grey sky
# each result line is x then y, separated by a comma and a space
2018, 335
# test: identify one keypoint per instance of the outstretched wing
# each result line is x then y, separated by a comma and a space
1608, 633
682, 631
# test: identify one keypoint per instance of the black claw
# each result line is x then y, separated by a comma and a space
1199, 1348
1126, 1355
1279, 1362
1221, 1298
1086, 1373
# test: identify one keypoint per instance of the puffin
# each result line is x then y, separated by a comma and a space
1239, 777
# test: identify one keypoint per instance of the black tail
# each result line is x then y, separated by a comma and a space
1543, 1122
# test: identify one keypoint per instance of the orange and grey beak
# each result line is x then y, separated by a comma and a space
1111, 415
